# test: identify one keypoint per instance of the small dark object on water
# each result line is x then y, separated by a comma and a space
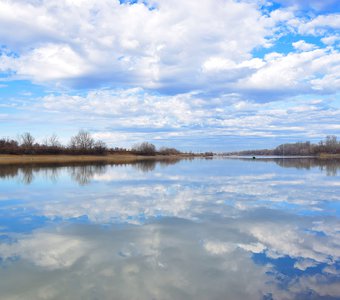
254, 157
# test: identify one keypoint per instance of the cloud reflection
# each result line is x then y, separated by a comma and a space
201, 230
173, 259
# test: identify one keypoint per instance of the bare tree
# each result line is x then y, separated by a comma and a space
82, 141
331, 143
53, 141
144, 148
100, 147
168, 151
27, 140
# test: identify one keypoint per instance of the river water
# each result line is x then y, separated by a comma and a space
190, 229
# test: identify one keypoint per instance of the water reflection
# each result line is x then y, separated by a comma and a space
82, 173
150, 165
330, 165
260, 255
219, 229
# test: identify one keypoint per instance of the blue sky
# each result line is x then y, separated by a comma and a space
198, 75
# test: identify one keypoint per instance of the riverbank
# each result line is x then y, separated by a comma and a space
262, 156
329, 155
62, 159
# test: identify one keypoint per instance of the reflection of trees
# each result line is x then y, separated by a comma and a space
145, 165
8, 171
150, 165
330, 166
26, 173
168, 162
52, 174
83, 174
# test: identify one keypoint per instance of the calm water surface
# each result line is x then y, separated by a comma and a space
200, 229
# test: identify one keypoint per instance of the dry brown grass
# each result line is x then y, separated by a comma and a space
329, 155
112, 158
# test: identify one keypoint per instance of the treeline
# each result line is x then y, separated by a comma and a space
330, 145
80, 144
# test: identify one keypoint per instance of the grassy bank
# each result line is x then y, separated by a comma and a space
111, 158
329, 155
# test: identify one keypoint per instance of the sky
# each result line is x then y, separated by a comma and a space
217, 75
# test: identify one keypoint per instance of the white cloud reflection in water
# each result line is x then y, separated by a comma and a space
195, 230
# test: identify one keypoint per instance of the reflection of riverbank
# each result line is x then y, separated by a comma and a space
330, 165
81, 172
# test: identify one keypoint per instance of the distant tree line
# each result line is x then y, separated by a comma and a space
80, 144
330, 145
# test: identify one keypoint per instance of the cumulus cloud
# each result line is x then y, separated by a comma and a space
320, 24
295, 73
169, 46
331, 40
303, 46
107, 41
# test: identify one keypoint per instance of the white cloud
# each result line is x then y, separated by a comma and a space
128, 44
51, 62
253, 247
297, 72
133, 107
303, 264
303, 46
173, 47
218, 64
331, 40
218, 248
319, 25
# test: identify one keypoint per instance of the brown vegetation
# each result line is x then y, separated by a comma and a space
144, 149
330, 146
62, 158
80, 144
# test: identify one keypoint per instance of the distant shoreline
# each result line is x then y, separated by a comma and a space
321, 155
7, 159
